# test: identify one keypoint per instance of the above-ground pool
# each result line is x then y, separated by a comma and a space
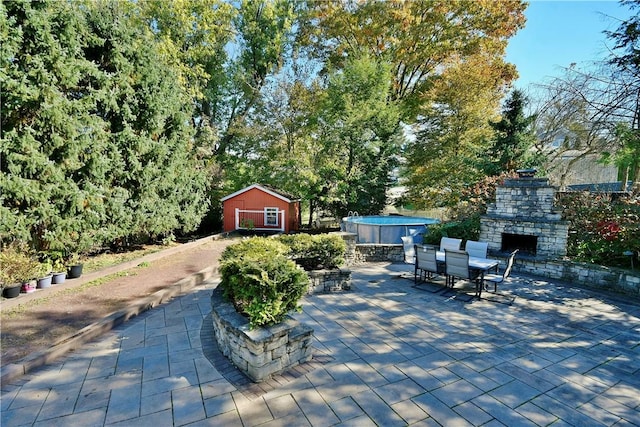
386, 229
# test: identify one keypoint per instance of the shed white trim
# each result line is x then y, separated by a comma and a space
259, 187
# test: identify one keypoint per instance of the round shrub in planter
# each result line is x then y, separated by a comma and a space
260, 281
321, 251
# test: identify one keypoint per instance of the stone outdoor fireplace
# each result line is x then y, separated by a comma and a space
523, 217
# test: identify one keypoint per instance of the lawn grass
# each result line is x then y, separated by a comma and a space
108, 259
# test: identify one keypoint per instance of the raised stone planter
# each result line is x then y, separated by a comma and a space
334, 280
261, 352
350, 240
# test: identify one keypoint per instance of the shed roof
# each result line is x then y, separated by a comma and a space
267, 189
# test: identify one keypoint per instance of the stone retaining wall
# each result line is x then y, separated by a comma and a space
261, 352
594, 276
338, 279
378, 253
350, 239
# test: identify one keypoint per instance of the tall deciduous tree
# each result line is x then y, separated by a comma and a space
193, 36
263, 29
447, 72
360, 129
454, 133
595, 112
420, 39
294, 159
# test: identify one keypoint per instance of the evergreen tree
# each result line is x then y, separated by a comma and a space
96, 145
147, 115
47, 92
514, 137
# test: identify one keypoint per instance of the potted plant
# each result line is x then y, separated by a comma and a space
74, 266
19, 268
10, 286
44, 275
78, 246
59, 270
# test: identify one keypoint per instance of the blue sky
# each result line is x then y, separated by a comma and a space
558, 33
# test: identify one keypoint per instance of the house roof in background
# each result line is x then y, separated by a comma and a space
267, 189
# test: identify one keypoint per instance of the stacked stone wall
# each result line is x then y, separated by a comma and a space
582, 274
379, 253
335, 280
350, 240
526, 207
261, 352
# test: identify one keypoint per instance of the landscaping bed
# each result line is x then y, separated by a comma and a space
36, 323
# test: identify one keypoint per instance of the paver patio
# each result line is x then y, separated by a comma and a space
388, 353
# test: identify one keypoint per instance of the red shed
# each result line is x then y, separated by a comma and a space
260, 208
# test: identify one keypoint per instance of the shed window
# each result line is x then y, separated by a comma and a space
271, 216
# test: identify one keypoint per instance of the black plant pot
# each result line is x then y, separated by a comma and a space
11, 292
75, 271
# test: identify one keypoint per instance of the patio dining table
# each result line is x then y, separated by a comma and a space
482, 265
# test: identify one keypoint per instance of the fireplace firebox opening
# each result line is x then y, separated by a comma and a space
526, 244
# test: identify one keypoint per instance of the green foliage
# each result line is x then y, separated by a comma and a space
254, 247
465, 229
627, 156
96, 140
602, 228
315, 251
260, 281
57, 265
422, 40
626, 38
513, 137
465, 215
17, 264
362, 135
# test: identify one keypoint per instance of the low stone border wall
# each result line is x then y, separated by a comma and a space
378, 253
329, 280
261, 352
594, 276
350, 239
591, 275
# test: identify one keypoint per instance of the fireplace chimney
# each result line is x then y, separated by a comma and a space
524, 217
